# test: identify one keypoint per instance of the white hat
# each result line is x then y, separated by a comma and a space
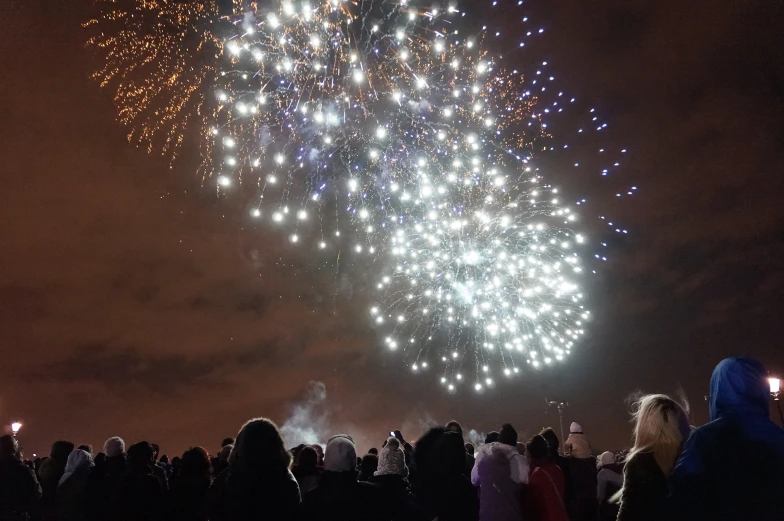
607, 458
392, 459
575, 427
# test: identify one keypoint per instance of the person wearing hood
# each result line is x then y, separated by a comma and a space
258, 484
391, 478
71, 497
221, 463
102, 480
454, 426
733, 467
609, 480
139, 494
500, 472
339, 496
19, 488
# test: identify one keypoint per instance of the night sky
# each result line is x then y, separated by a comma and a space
133, 302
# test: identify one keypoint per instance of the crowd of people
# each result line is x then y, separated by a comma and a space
729, 469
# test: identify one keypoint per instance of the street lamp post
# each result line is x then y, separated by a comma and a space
775, 391
560, 406
15, 427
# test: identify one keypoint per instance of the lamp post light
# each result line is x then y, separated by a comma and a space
15, 427
775, 391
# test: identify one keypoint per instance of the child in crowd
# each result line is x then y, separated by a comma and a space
577, 444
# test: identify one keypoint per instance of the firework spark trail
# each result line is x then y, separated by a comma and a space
160, 57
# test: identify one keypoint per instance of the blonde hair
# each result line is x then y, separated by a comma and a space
661, 427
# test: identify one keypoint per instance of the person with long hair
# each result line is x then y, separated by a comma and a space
188, 493
660, 430
258, 483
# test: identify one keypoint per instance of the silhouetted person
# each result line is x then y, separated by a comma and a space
221, 463
103, 479
553, 444
733, 467
139, 494
306, 470
544, 497
188, 493
440, 487
50, 473
339, 496
157, 470
71, 501
258, 484
368, 467
454, 426
19, 488
391, 480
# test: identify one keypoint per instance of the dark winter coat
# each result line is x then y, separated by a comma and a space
187, 498
308, 479
138, 497
644, 489
397, 501
451, 499
733, 467
101, 484
19, 489
52, 469
239, 494
582, 503
609, 481
340, 497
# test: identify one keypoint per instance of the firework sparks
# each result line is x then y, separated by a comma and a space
159, 58
390, 129
425, 142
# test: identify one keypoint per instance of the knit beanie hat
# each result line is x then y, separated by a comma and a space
607, 458
114, 446
392, 460
575, 427
340, 455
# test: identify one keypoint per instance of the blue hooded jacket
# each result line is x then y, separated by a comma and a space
733, 467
